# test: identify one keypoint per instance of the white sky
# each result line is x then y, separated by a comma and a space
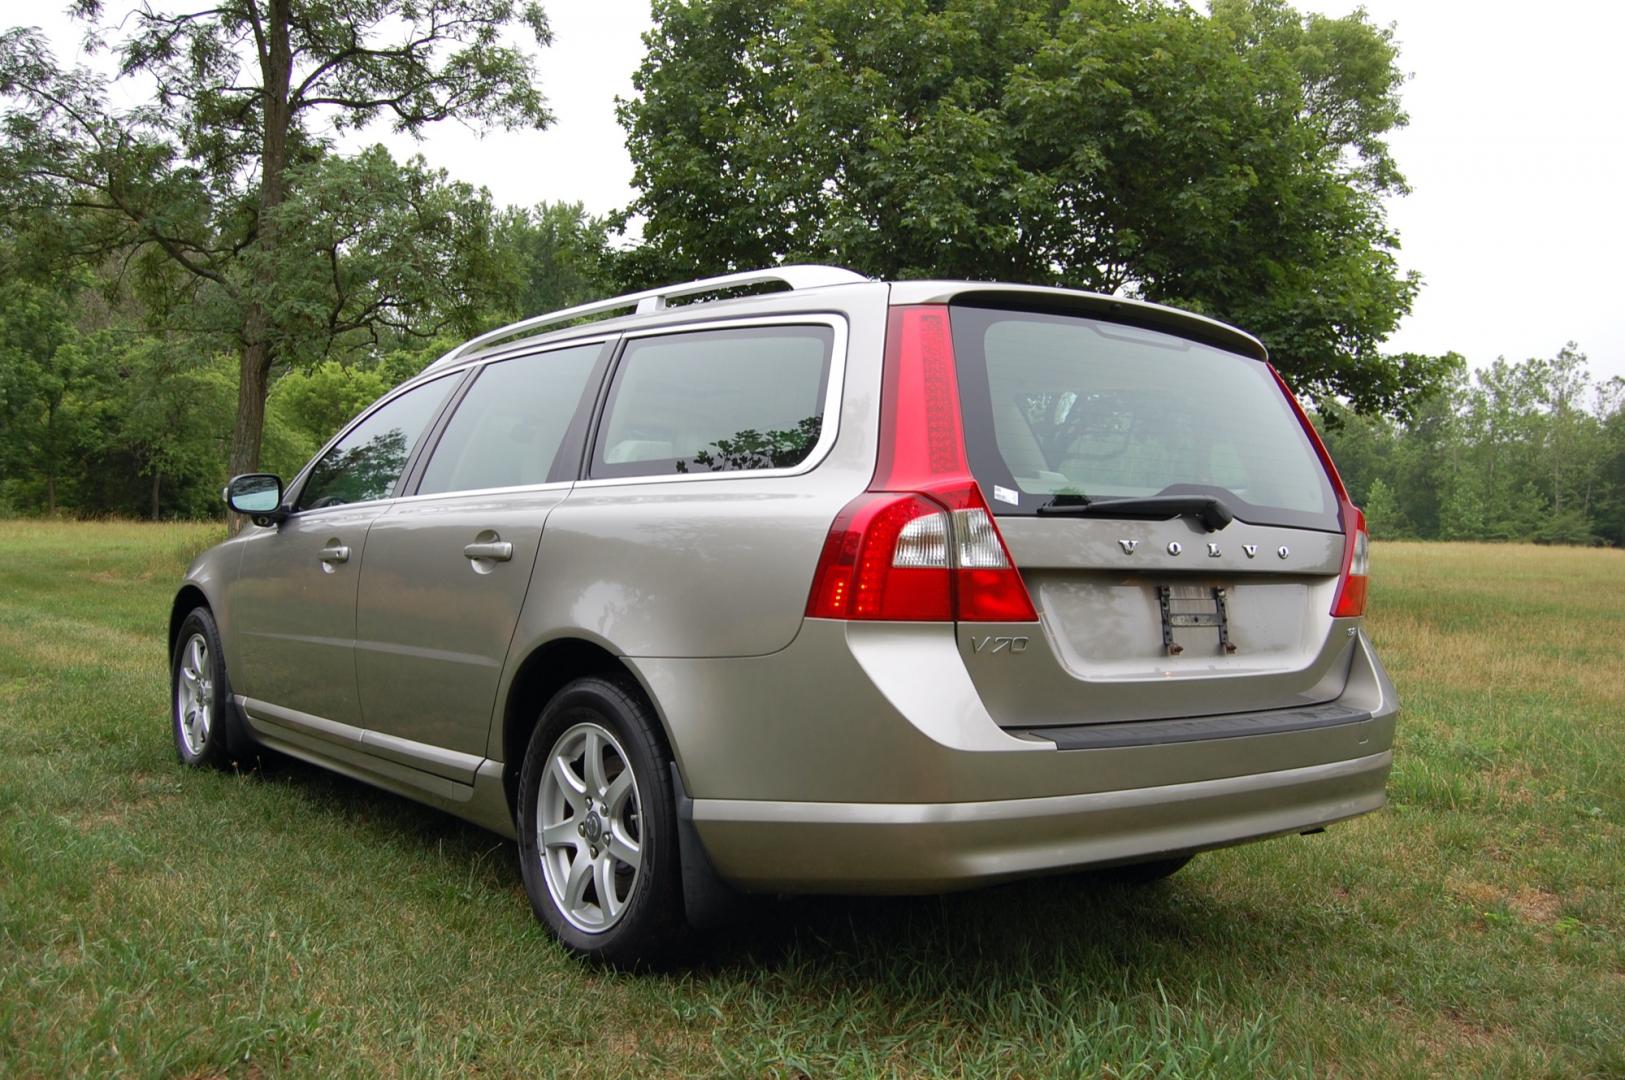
1515, 153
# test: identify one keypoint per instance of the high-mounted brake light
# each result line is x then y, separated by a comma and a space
920, 544
1351, 584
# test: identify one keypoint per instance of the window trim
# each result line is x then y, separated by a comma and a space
829, 430
296, 489
572, 442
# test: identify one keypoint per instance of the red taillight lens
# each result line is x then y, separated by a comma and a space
921, 544
1356, 568
886, 557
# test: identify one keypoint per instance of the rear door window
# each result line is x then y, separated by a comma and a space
510, 425
715, 401
1063, 405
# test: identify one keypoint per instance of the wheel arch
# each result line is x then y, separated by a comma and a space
188, 598
546, 670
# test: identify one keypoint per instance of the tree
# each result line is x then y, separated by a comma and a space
204, 189
173, 413
1231, 162
42, 366
1383, 514
561, 254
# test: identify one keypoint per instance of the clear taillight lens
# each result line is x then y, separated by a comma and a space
923, 544
1360, 565
978, 541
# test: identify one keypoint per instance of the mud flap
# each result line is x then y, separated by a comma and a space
708, 902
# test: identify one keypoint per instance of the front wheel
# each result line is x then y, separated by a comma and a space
597, 826
200, 696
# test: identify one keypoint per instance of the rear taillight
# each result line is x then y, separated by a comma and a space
1356, 569
921, 543
886, 558
1351, 586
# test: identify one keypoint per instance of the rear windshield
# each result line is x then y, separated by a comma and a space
1062, 405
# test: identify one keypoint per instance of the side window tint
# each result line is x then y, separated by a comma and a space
715, 401
365, 464
508, 428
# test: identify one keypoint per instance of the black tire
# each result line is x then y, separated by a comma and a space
650, 928
216, 742
1145, 873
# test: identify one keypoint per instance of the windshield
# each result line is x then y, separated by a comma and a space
1062, 405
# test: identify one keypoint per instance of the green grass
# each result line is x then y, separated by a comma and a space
160, 921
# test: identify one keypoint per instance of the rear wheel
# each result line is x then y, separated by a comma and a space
200, 696
598, 828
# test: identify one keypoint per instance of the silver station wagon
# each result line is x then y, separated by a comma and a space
850, 587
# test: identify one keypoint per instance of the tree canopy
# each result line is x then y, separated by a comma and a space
1232, 162
223, 191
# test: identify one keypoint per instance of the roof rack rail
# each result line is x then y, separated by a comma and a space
797, 277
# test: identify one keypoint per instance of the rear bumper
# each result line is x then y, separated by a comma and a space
861, 759
930, 847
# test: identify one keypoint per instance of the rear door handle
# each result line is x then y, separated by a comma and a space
500, 551
334, 553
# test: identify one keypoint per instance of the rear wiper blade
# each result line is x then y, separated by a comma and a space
1209, 510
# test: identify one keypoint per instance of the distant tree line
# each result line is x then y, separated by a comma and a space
1533, 450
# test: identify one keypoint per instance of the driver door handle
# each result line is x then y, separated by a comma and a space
500, 551
334, 553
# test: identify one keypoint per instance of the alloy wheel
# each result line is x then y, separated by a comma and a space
589, 827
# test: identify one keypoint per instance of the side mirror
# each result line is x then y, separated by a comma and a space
259, 495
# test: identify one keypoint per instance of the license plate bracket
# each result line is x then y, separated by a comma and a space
1193, 606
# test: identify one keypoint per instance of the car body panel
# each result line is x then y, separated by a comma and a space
914, 848
293, 625
887, 712
895, 783
433, 625
723, 566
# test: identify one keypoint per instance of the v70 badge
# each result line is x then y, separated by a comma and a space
993, 644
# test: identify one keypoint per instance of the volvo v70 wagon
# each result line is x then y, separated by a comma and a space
854, 587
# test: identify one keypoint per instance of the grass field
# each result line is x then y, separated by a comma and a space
158, 921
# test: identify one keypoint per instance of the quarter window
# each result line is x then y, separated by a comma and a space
508, 428
366, 463
715, 401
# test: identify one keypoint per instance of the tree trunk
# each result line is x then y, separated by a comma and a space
157, 479
50, 454
254, 365
253, 383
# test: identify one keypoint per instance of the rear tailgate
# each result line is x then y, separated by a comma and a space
1146, 615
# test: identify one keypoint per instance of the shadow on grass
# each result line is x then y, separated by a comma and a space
1037, 930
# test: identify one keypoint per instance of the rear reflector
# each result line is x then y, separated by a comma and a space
920, 544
